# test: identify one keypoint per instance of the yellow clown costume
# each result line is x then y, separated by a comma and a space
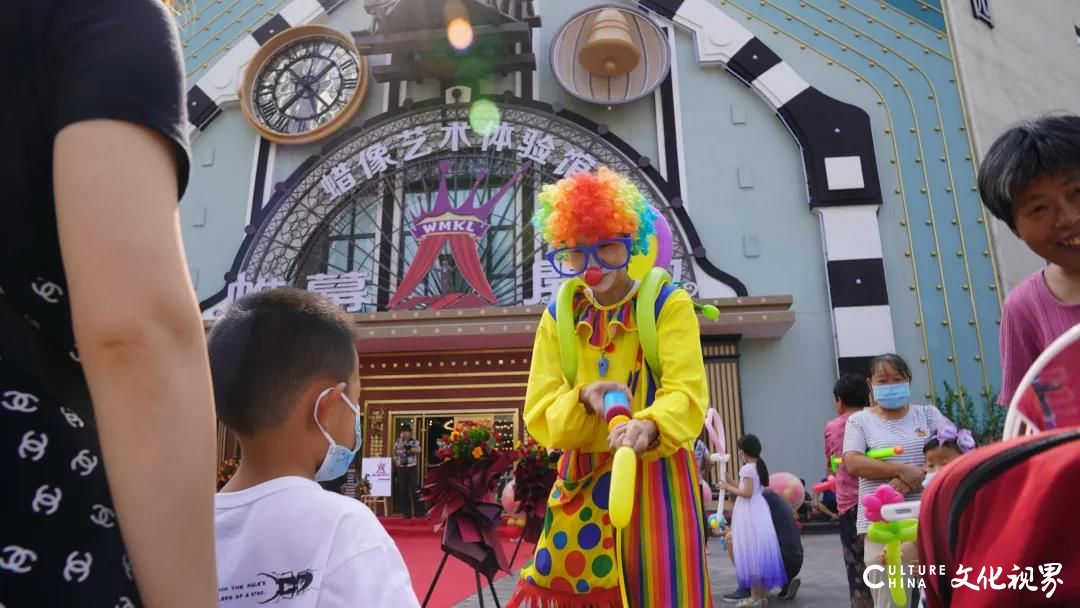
662, 549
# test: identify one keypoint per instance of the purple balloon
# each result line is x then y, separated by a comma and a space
664, 249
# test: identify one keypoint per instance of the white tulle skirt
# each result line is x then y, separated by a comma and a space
758, 563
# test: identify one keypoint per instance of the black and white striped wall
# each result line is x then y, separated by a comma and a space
841, 172
218, 86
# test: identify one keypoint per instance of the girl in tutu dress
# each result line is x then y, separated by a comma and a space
758, 565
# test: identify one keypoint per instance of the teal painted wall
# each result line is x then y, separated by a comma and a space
745, 182
213, 210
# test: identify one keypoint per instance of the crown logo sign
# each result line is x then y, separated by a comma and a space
462, 227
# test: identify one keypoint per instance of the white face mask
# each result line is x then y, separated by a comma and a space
338, 457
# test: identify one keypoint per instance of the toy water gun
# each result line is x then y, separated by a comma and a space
876, 454
829, 485
623, 477
891, 534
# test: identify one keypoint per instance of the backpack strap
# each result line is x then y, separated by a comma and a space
649, 303
653, 293
564, 321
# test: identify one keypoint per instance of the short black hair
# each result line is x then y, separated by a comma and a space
851, 390
892, 360
405, 427
1049, 145
267, 347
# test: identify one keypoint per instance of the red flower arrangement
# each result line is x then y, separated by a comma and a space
534, 475
226, 470
460, 493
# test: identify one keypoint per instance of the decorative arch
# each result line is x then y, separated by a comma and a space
837, 146
286, 242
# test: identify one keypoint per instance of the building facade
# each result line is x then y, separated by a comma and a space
813, 160
1015, 60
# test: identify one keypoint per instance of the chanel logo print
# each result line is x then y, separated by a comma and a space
103, 516
18, 401
74, 354
125, 603
77, 568
32, 448
14, 558
84, 462
46, 501
47, 290
72, 418
127, 567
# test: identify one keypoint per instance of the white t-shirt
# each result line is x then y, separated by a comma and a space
290, 544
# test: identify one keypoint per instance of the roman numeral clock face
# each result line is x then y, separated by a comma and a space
304, 84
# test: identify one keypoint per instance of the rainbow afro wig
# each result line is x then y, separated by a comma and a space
590, 207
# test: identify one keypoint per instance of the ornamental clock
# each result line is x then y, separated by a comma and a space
303, 84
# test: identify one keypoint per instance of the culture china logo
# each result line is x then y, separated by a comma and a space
989, 578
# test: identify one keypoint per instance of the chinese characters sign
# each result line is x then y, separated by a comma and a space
527, 143
348, 290
371, 204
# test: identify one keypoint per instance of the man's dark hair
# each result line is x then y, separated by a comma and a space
851, 390
1049, 146
268, 347
405, 427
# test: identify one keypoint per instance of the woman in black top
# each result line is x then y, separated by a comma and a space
92, 162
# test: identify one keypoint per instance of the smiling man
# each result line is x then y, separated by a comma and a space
1030, 179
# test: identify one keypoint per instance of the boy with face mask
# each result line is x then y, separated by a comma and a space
285, 374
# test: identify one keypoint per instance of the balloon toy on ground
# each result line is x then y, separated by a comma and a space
789, 488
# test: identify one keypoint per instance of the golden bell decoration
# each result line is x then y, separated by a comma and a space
610, 50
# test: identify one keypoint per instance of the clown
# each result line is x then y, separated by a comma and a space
594, 223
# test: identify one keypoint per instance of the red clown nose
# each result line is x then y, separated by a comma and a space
593, 276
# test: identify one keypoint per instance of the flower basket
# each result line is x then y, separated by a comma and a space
460, 494
363, 487
534, 475
226, 470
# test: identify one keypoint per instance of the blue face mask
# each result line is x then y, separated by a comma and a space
892, 396
338, 457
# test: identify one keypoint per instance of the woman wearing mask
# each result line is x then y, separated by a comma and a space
107, 447
891, 421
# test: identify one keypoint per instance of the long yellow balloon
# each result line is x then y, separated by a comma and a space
623, 481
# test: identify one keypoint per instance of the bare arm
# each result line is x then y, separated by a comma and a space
860, 465
142, 346
745, 490
820, 506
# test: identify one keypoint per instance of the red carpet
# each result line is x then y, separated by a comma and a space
419, 546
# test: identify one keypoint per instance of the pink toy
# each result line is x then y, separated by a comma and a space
884, 495
789, 488
510, 505
714, 426
829, 485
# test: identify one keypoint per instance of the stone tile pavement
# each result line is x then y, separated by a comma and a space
824, 583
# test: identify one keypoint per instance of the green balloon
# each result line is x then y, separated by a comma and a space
484, 116
711, 312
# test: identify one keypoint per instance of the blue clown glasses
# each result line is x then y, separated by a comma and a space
611, 254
